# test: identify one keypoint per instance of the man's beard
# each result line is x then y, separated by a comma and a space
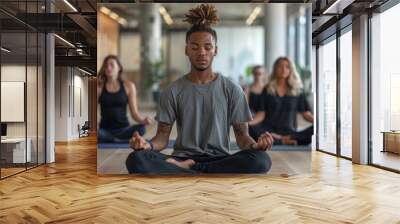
201, 69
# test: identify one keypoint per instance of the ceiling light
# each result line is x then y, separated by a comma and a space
105, 10
65, 41
167, 18
122, 21
162, 10
253, 15
70, 5
114, 15
5, 50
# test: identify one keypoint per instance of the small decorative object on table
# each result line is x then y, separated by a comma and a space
391, 141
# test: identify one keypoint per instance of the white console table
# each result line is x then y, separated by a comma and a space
17, 147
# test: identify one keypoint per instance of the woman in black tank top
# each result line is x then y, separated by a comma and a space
114, 95
255, 92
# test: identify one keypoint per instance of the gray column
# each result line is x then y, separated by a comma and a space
50, 92
275, 32
150, 43
50, 99
360, 90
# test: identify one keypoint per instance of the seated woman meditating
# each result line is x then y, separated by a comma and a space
114, 95
283, 98
254, 92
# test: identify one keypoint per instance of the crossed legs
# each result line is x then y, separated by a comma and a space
153, 162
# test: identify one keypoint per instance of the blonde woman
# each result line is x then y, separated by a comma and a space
283, 99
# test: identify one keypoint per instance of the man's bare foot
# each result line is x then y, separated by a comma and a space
186, 164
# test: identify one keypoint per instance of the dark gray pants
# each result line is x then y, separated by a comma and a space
245, 161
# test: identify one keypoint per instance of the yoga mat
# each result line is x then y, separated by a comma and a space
125, 145
233, 146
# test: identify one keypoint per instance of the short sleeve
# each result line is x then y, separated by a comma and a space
166, 112
302, 104
239, 108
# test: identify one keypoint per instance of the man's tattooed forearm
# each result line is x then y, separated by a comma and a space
241, 129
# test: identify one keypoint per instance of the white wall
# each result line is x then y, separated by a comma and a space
33, 126
238, 48
14, 73
179, 63
69, 85
130, 51
61, 103
79, 117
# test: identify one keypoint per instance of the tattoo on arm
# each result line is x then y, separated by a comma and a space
243, 138
241, 129
160, 141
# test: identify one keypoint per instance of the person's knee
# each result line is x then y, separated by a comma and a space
260, 161
135, 161
103, 136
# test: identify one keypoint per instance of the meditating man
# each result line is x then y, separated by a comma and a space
204, 105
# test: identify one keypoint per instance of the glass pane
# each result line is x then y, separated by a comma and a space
13, 84
346, 94
41, 99
327, 97
31, 97
386, 89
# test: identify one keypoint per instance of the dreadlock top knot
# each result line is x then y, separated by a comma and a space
202, 15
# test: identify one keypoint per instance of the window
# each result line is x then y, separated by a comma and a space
385, 88
22, 77
346, 94
327, 97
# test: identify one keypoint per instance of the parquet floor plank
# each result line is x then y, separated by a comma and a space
70, 191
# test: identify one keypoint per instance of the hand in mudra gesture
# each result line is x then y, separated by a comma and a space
264, 142
137, 142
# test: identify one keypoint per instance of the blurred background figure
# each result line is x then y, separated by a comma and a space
283, 98
114, 95
254, 91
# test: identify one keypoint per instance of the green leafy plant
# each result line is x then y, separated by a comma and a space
156, 73
249, 70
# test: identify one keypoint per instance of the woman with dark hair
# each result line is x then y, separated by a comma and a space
114, 95
254, 93
283, 98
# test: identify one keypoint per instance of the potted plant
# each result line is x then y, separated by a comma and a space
158, 75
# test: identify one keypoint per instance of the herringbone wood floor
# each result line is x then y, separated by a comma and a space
70, 191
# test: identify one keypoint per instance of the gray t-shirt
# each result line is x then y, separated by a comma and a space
204, 113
